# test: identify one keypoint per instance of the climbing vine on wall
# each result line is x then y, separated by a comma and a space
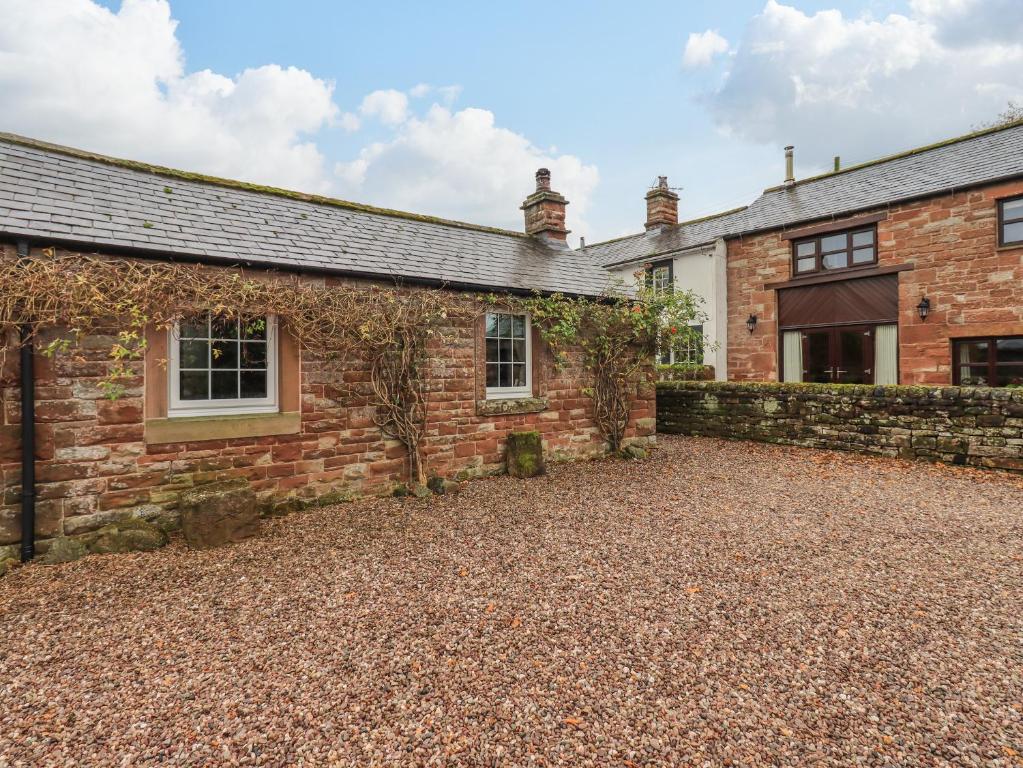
619, 337
389, 328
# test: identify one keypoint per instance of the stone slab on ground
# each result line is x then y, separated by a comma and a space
219, 514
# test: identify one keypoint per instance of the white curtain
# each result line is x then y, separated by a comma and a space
886, 354
792, 355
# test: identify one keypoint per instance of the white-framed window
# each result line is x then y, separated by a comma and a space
689, 351
509, 355
223, 366
660, 278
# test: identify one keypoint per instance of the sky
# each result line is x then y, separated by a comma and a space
448, 108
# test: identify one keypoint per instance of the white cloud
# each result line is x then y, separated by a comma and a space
74, 72
419, 91
702, 47
860, 87
970, 22
388, 106
464, 166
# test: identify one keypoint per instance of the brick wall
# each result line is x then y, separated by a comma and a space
94, 463
977, 426
951, 242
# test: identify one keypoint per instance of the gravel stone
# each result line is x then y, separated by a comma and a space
719, 604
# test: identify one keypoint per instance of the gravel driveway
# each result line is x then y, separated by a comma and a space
719, 604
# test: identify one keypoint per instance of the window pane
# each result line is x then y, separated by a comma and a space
833, 242
1012, 209
519, 375
973, 375
195, 354
254, 328
863, 238
505, 380
806, 249
254, 354
863, 255
835, 260
519, 326
665, 358
505, 350
194, 385
1009, 376
223, 327
806, 265
972, 352
1013, 233
491, 324
519, 351
224, 385
491, 374
224, 354
1009, 350
492, 350
253, 383
504, 326
195, 327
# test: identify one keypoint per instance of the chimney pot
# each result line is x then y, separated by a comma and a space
661, 205
545, 211
790, 172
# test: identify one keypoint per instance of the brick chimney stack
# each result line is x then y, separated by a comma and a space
545, 211
661, 205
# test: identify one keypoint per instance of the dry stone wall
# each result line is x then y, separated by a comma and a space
976, 426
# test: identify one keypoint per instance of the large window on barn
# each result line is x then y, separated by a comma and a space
1010, 221
835, 250
223, 365
988, 362
508, 351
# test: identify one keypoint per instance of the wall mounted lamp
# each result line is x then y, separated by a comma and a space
924, 308
751, 323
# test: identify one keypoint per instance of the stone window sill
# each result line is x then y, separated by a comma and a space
1010, 247
199, 428
511, 405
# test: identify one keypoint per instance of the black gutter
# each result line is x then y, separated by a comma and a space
28, 436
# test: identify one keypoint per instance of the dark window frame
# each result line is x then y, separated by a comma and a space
1003, 223
992, 363
670, 264
820, 253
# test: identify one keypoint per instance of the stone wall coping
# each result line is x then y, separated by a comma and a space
949, 392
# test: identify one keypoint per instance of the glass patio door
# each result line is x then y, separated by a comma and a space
838, 355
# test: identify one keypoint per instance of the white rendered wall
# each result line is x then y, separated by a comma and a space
702, 271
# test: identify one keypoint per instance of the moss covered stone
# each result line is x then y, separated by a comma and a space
525, 454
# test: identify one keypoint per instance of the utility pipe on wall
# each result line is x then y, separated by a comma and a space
28, 437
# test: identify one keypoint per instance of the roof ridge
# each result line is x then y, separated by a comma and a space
699, 220
905, 153
245, 186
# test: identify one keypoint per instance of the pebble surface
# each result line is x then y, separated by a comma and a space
720, 604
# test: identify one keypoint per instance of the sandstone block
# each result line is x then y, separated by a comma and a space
218, 514
525, 454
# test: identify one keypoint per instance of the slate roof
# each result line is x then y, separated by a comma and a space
58, 194
983, 157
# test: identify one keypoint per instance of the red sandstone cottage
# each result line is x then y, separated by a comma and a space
905, 270
261, 410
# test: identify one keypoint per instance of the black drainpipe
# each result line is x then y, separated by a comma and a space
28, 437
